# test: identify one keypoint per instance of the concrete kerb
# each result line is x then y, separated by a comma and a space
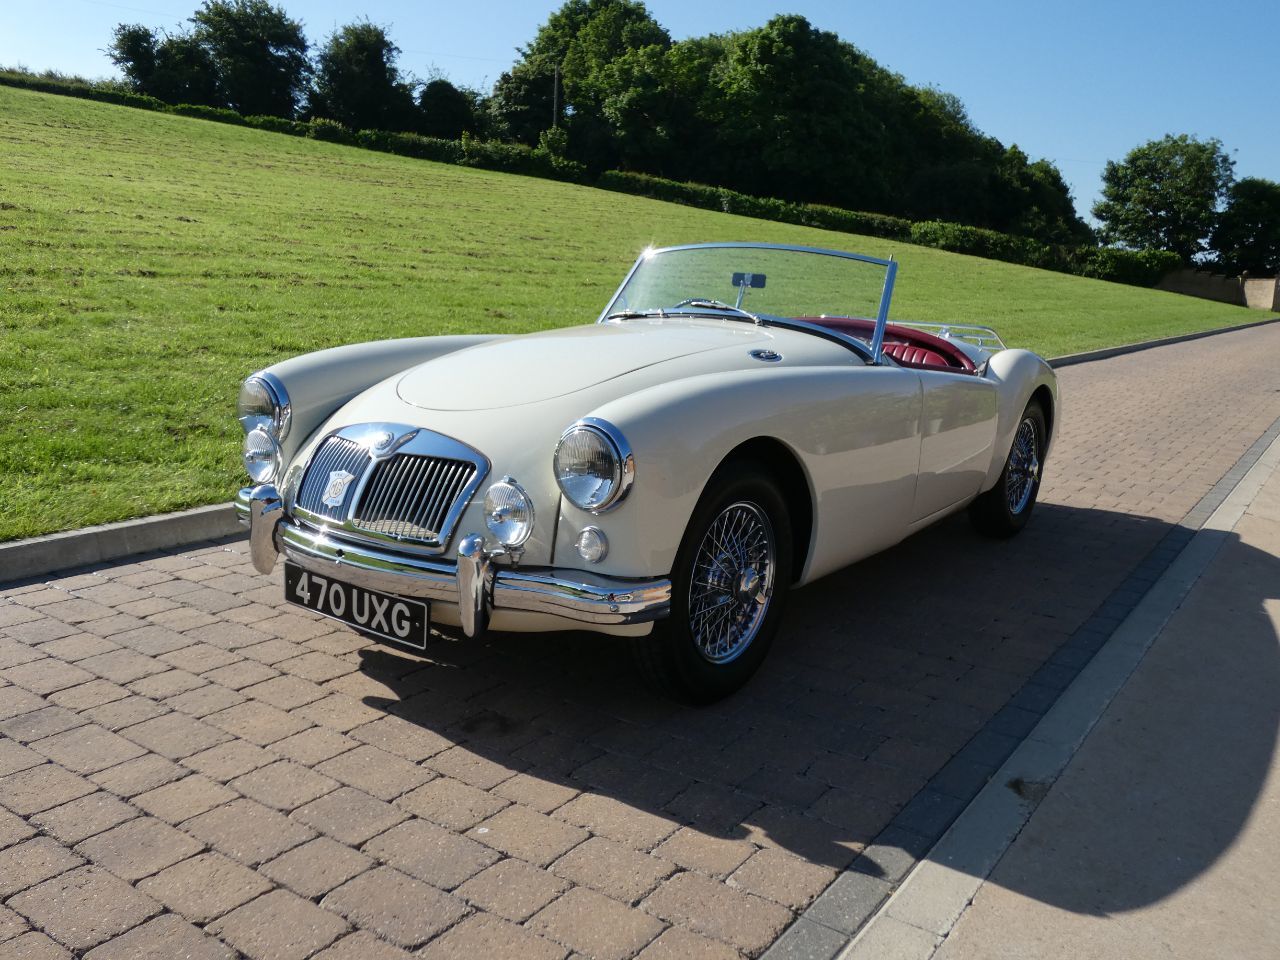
919, 915
1107, 352
24, 559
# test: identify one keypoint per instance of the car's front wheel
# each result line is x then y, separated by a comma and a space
730, 581
1004, 509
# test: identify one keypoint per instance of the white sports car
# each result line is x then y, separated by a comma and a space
741, 420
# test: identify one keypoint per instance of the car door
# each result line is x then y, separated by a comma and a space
957, 430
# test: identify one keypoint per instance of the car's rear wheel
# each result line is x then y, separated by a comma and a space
1004, 509
731, 578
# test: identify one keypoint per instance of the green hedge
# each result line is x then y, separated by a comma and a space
1136, 267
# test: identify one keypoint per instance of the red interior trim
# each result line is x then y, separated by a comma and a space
907, 345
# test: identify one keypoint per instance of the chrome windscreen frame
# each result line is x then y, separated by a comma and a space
876, 351
406, 439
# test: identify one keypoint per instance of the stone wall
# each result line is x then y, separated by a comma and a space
1261, 294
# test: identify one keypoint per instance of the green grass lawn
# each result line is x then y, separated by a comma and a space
149, 262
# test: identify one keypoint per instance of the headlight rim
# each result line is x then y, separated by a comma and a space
623, 455
530, 524
273, 460
281, 407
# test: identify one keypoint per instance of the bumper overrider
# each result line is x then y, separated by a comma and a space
475, 583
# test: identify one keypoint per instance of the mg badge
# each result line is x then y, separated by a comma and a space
383, 440
334, 493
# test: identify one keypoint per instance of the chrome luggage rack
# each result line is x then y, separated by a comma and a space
983, 337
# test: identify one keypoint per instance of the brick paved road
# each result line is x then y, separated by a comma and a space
190, 768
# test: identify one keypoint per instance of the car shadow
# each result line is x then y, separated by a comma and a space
895, 688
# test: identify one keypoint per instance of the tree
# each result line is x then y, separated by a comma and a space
175, 69
1165, 195
260, 55
357, 82
446, 111
1248, 234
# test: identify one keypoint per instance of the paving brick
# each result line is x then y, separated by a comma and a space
271, 651
125, 712
92, 694
746, 922
248, 831
11, 925
462, 764
33, 946
229, 760
315, 868
138, 776
512, 889
13, 829
121, 666
184, 799
199, 658
346, 814
15, 757
77, 646
150, 639
279, 926
237, 676
782, 878
26, 864
82, 818
314, 745
164, 938
395, 906
528, 835
616, 820
403, 738
43, 677
85, 907
284, 785
15, 701
595, 925
29, 727
376, 772
87, 749
679, 944
138, 848
316, 667
363, 945
26, 635
694, 850
39, 788
199, 703
175, 735
285, 692
205, 887
613, 869
258, 723
340, 712
431, 853
543, 795
171, 683
490, 937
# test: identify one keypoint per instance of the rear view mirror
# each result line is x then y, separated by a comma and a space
753, 280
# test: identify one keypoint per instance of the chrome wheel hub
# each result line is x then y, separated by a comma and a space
1023, 473
732, 582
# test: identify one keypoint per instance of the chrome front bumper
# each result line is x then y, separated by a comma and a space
476, 584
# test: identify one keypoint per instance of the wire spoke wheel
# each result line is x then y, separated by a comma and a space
732, 582
1023, 472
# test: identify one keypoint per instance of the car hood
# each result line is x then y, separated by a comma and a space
541, 366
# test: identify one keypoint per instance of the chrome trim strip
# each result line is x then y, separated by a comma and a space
570, 594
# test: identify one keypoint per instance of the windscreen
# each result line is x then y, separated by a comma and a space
767, 281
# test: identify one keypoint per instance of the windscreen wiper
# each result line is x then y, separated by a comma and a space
702, 304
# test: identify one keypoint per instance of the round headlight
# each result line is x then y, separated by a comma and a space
593, 465
261, 455
508, 513
263, 405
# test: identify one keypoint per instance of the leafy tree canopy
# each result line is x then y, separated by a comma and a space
447, 112
358, 84
1248, 234
1165, 195
259, 53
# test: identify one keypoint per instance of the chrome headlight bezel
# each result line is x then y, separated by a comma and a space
260, 454
263, 404
503, 496
622, 466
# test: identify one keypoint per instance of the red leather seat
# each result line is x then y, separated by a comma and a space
913, 356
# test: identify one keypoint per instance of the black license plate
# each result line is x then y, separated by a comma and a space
397, 619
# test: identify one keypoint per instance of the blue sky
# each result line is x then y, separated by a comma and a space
1078, 83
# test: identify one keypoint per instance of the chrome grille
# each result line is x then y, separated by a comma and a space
409, 497
334, 454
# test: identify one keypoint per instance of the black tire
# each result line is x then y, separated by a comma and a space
1005, 509
686, 664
